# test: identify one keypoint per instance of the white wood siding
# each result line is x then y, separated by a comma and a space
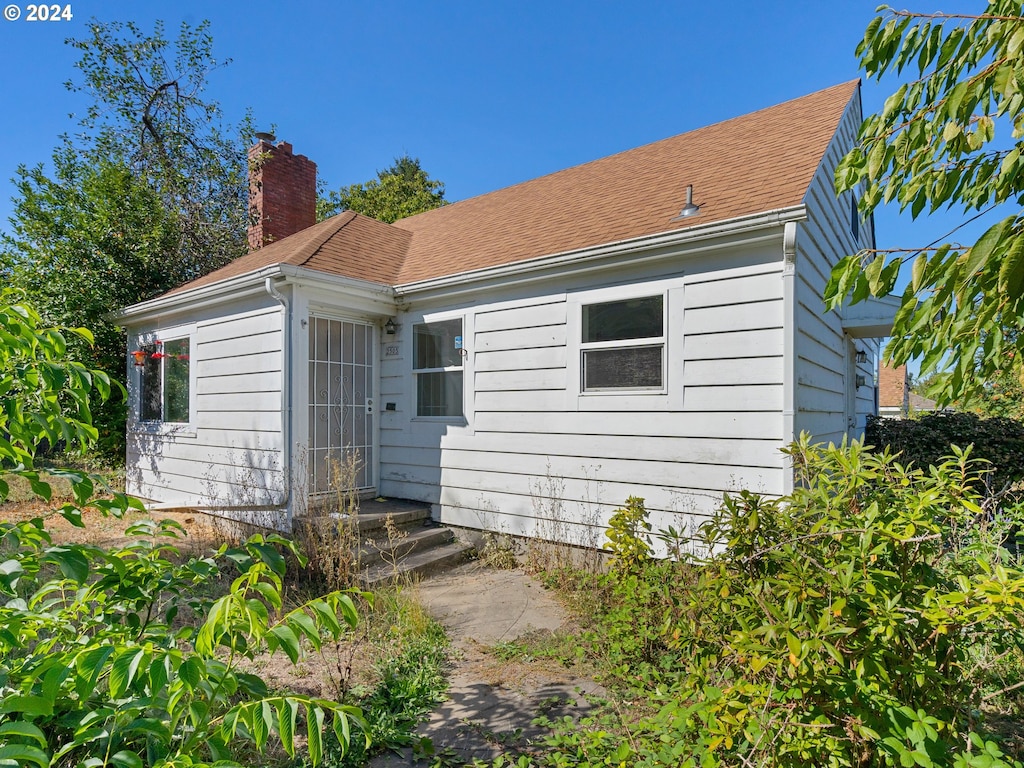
536, 458
822, 364
230, 455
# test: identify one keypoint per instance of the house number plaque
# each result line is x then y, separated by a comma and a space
391, 350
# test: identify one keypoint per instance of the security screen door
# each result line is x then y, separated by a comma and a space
340, 404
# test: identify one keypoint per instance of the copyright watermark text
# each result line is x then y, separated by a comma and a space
33, 12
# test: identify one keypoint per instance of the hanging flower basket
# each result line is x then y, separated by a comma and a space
151, 351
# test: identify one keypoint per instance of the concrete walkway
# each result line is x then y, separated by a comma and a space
491, 703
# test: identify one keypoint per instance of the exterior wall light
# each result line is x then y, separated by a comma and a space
389, 327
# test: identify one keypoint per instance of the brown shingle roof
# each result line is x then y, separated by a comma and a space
347, 244
751, 164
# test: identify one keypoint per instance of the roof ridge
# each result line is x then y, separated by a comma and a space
856, 83
743, 116
314, 246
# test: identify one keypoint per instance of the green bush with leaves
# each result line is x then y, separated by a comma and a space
45, 397
853, 622
94, 671
629, 535
926, 440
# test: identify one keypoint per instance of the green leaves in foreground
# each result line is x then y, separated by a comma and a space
951, 138
94, 669
44, 396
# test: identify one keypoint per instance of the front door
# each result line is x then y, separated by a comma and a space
341, 406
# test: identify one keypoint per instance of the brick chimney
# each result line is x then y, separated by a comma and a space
282, 191
893, 389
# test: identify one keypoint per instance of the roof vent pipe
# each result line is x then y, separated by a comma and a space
689, 209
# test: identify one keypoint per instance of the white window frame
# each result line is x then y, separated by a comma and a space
646, 341
461, 369
160, 426
665, 398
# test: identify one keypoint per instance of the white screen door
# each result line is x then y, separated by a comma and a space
340, 403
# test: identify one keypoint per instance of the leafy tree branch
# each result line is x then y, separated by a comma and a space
950, 138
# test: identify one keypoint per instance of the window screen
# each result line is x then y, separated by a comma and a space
623, 344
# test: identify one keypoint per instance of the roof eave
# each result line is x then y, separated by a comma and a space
194, 298
582, 260
606, 255
871, 318
252, 283
370, 295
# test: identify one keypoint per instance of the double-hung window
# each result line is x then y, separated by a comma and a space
437, 368
165, 387
623, 345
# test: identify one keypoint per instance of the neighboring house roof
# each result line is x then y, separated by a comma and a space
752, 164
919, 404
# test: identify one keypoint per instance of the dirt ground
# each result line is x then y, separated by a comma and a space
201, 531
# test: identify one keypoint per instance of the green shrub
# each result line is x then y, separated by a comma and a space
412, 654
94, 669
845, 627
927, 440
629, 535
849, 623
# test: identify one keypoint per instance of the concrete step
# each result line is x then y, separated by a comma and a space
373, 515
409, 540
415, 544
372, 523
418, 563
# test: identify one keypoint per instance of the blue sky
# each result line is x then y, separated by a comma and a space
485, 93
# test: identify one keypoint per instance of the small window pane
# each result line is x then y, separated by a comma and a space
176, 381
150, 407
439, 394
641, 318
434, 345
628, 368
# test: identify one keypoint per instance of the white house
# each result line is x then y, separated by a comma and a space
527, 359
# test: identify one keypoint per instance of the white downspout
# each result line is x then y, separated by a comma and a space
789, 361
286, 401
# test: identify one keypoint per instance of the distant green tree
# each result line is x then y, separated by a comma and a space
397, 192
152, 191
1002, 395
94, 240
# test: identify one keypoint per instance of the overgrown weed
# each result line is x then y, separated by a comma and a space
330, 537
392, 667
